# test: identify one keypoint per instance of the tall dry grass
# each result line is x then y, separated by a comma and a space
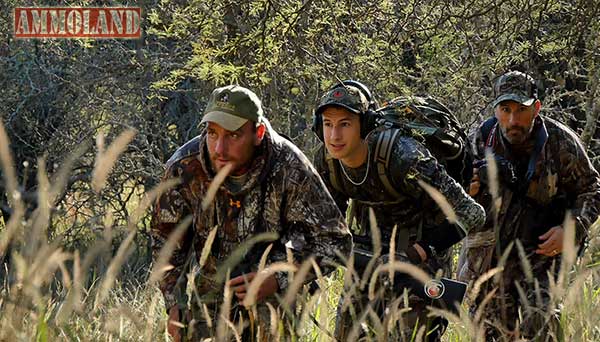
47, 292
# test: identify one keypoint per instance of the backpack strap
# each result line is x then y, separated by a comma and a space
383, 151
334, 171
488, 130
541, 137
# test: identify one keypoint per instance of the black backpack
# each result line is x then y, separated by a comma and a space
427, 120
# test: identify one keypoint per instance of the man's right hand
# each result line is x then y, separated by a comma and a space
172, 327
267, 288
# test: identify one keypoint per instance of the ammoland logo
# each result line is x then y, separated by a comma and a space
77, 22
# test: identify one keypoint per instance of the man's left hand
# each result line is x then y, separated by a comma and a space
552, 244
421, 252
240, 285
475, 183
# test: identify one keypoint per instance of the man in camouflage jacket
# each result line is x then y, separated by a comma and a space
341, 122
543, 172
272, 187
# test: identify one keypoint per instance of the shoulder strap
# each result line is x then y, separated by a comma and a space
334, 172
541, 137
487, 128
383, 151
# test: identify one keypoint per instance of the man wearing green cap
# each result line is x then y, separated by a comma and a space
543, 173
348, 163
270, 187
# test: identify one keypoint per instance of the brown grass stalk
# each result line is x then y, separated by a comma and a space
261, 276
113, 270
105, 160
8, 169
440, 200
296, 284
161, 265
211, 192
410, 269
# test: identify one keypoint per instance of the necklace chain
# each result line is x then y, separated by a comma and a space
366, 173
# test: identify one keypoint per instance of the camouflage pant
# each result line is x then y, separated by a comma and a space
519, 307
397, 314
508, 317
356, 322
204, 321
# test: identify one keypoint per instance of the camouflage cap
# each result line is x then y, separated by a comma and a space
515, 86
232, 106
345, 96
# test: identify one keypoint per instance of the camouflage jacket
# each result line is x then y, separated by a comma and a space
563, 179
295, 204
417, 216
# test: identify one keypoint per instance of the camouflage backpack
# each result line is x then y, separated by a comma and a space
427, 120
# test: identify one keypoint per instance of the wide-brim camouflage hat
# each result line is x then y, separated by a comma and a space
515, 86
345, 96
232, 106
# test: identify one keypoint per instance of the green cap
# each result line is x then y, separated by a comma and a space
345, 96
232, 106
515, 86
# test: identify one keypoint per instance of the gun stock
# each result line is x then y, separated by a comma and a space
443, 293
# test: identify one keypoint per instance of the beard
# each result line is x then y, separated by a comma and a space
516, 134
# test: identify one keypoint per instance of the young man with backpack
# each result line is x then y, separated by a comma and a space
381, 163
